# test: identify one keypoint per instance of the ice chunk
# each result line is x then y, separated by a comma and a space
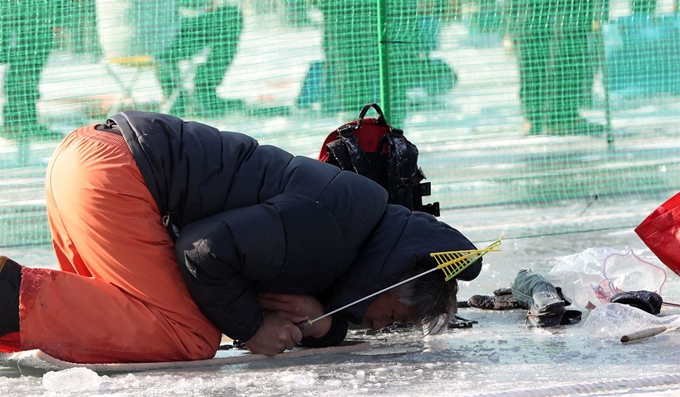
73, 379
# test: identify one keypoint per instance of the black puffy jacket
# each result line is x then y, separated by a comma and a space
256, 218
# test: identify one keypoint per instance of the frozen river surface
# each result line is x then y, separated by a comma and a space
497, 356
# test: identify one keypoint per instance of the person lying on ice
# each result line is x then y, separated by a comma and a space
130, 199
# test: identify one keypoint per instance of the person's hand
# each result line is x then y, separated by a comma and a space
276, 334
298, 308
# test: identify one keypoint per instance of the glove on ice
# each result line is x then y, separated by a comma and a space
502, 299
544, 301
643, 300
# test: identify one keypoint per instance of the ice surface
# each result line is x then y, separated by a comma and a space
498, 354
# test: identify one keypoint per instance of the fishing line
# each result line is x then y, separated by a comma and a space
593, 200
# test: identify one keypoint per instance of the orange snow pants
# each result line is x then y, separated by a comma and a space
120, 296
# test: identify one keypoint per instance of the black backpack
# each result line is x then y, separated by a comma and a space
372, 148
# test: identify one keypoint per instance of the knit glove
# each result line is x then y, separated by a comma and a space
502, 299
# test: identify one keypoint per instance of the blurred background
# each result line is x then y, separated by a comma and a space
533, 118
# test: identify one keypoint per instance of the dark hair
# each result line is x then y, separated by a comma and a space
433, 299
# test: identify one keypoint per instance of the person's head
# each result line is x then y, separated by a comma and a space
427, 300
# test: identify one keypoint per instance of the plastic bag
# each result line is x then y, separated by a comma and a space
590, 278
614, 320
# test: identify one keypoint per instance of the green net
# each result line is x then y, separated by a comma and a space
532, 117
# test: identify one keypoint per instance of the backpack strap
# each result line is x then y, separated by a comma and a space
402, 170
381, 117
347, 151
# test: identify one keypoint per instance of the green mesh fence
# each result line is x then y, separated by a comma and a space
533, 117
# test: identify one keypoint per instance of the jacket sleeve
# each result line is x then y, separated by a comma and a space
289, 244
277, 246
299, 241
213, 272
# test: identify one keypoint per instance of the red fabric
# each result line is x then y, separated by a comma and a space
10, 343
368, 135
660, 231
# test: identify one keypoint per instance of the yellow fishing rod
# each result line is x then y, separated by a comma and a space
452, 263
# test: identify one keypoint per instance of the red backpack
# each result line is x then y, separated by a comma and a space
372, 148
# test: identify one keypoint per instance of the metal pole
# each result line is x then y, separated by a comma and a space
383, 47
602, 55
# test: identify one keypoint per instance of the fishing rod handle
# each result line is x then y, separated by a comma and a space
305, 324
645, 333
